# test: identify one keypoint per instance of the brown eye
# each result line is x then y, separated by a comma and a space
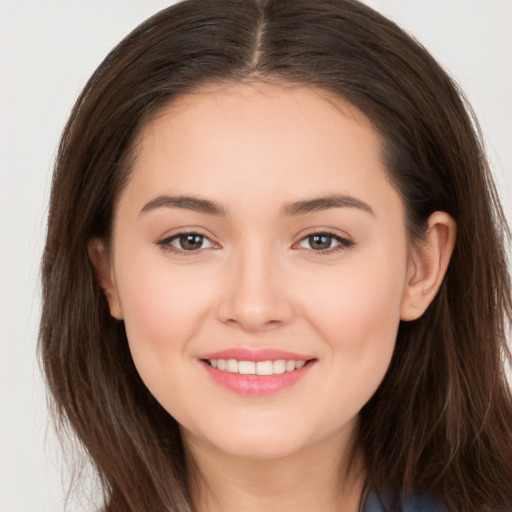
320, 242
324, 242
186, 243
190, 242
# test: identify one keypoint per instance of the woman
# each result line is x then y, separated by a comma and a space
275, 274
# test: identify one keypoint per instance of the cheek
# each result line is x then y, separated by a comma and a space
358, 319
162, 309
368, 312
357, 311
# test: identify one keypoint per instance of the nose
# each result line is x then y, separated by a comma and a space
254, 298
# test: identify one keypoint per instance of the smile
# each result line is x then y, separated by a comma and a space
256, 368
256, 372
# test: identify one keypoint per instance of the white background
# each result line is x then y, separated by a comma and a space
48, 49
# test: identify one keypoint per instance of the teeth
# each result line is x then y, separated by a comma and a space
247, 367
264, 368
260, 368
279, 366
232, 365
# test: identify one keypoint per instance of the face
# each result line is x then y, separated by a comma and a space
259, 262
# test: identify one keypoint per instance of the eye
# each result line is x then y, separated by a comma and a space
324, 242
186, 242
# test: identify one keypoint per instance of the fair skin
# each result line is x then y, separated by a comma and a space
252, 173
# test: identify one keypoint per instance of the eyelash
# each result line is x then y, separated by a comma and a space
343, 243
166, 243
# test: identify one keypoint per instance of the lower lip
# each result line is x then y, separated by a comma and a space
257, 385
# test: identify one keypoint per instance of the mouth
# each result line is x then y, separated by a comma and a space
256, 373
276, 367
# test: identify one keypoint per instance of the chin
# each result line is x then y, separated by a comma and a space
248, 440
261, 448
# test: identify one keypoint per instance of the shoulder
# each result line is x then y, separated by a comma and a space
415, 503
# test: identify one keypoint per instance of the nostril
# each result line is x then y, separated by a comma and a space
253, 298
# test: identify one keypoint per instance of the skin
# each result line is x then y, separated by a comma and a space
258, 283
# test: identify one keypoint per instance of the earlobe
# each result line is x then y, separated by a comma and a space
428, 262
100, 259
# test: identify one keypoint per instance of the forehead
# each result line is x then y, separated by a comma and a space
288, 109
247, 139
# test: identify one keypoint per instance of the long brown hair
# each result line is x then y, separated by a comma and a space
441, 421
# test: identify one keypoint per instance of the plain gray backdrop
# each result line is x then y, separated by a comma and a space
48, 49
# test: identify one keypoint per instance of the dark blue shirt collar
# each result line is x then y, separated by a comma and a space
415, 503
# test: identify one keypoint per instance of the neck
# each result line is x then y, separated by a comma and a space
318, 478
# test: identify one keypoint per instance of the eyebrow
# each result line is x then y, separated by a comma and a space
195, 204
303, 207
318, 204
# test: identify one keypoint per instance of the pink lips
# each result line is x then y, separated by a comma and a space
256, 385
265, 354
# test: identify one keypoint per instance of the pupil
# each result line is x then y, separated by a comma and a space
320, 242
191, 242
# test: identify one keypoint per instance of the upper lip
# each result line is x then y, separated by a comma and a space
265, 354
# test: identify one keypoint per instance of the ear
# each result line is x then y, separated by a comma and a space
100, 259
427, 265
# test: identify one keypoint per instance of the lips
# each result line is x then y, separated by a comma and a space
256, 372
264, 354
